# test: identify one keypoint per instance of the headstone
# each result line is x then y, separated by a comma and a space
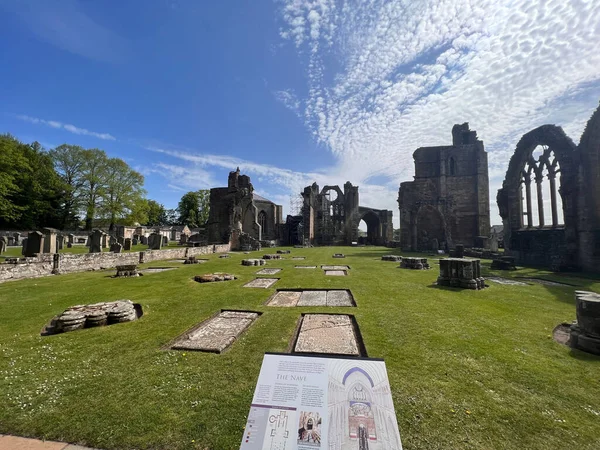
127, 244
165, 241
3, 244
104, 240
35, 243
144, 240
96, 241
17, 237
155, 241
24, 246
60, 242
10, 240
116, 248
50, 238
111, 241
494, 243
134, 241
183, 239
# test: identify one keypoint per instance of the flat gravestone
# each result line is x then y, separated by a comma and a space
216, 333
268, 271
297, 258
335, 273
339, 298
313, 298
285, 299
262, 283
506, 281
306, 267
157, 269
327, 333
324, 267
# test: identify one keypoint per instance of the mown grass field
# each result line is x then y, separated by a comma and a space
468, 370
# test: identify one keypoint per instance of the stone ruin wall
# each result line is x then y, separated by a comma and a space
61, 263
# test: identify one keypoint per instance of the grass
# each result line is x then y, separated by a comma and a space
468, 370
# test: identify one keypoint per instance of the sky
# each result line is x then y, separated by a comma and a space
294, 91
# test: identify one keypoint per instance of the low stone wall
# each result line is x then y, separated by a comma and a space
49, 264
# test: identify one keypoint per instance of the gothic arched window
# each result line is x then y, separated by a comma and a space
262, 221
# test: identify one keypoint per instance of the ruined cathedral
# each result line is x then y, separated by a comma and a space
448, 201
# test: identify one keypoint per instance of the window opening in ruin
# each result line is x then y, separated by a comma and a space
262, 221
540, 190
452, 166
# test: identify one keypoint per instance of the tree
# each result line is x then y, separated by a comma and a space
69, 162
94, 167
12, 162
122, 189
193, 208
157, 214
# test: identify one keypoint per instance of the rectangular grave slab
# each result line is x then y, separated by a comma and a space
327, 333
217, 333
268, 271
261, 283
340, 297
298, 258
313, 298
306, 267
285, 299
335, 273
326, 267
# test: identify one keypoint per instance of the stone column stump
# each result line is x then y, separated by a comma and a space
461, 272
585, 335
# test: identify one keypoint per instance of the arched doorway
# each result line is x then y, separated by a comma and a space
370, 221
431, 229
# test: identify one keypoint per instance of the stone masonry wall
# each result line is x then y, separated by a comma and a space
49, 264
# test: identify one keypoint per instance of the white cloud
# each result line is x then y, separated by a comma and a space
66, 126
388, 76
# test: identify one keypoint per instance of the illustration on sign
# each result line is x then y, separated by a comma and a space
305, 402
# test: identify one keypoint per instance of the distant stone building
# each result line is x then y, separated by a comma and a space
237, 208
331, 217
550, 199
448, 201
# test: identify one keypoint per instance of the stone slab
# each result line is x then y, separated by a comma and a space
157, 269
268, 271
297, 258
325, 267
313, 298
506, 281
335, 273
339, 298
327, 333
261, 283
285, 299
19, 443
306, 267
217, 333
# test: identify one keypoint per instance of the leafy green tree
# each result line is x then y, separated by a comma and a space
12, 163
193, 208
69, 162
95, 168
122, 190
157, 214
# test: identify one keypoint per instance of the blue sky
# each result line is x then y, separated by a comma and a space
294, 91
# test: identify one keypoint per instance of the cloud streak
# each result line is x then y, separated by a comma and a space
385, 77
66, 126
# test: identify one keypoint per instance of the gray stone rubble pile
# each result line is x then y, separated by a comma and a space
253, 262
394, 258
284, 252
414, 263
94, 315
212, 277
127, 270
272, 256
339, 255
504, 263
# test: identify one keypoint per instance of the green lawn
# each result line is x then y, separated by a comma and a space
468, 370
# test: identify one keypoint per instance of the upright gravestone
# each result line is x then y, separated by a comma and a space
134, 241
50, 237
24, 246
165, 241
60, 242
116, 248
3, 244
35, 243
17, 237
10, 240
127, 244
144, 240
183, 239
155, 241
70, 240
111, 241
104, 241
96, 241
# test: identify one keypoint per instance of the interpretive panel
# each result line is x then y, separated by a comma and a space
303, 402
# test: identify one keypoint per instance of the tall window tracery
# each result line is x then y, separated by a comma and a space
262, 221
540, 184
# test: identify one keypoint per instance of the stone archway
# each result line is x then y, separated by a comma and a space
373, 228
431, 230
